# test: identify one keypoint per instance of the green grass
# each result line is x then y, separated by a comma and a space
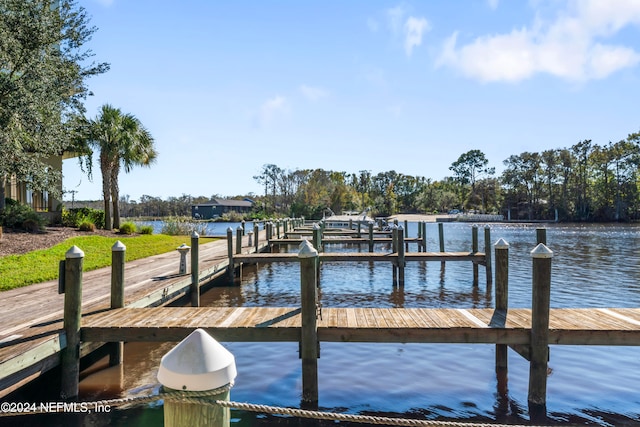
42, 265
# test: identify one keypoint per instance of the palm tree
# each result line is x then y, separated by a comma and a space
122, 141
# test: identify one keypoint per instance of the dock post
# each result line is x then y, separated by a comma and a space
370, 236
424, 236
401, 250
474, 249
195, 269
242, 224
406, 234
541, 292
231, 267
394, 249
541, 236
118, 250
309, 347
419, 236
502, 299
256, 235
487, 255
238, 240
70, 355
198, 363
359, 231
441, 236
351, 224
278, 228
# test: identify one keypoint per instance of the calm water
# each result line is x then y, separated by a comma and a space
593, 266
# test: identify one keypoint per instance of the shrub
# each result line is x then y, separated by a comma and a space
127, 228
87, 225
232, 216
73, 217
181, 226
21, 216
145, 229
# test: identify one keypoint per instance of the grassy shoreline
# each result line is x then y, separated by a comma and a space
42, 265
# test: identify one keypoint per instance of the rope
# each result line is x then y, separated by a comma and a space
199, 397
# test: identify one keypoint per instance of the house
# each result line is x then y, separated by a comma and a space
216, 207
41, 202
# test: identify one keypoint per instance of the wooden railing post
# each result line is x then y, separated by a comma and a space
541, 296
70, 355
118, 251
231, 267
487, 255
195, 270
309, 346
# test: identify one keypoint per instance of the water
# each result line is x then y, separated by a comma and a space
593, 266
212, 228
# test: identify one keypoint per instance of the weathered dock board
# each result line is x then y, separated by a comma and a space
478, 257
567, 326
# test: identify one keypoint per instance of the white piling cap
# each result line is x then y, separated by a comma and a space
118, 247
501, 244
231, 229
307, 250
74, 252
194, 234
541, 251
197, 363
183, 247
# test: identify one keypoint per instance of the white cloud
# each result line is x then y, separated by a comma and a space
395, 17
313, 93
493, 4
568, 47
275, 107
414, 28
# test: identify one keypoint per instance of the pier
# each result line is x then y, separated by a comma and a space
37, 342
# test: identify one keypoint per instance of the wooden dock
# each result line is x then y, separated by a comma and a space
567, 326
32, 335
35, 339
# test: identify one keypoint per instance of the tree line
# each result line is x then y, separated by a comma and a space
584, 182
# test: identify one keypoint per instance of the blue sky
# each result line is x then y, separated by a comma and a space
226, 87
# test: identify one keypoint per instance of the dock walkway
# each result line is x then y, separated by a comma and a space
567, 326
32, 335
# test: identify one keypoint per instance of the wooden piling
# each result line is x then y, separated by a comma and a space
424, 237
238, 240
541, 236
394, 249
541, 292
501, 297
118, 250
401, 262
195, 270
371, 237
256, 236
231, 266
474, 249
70, 355
309, 346
487, 254
420, 237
